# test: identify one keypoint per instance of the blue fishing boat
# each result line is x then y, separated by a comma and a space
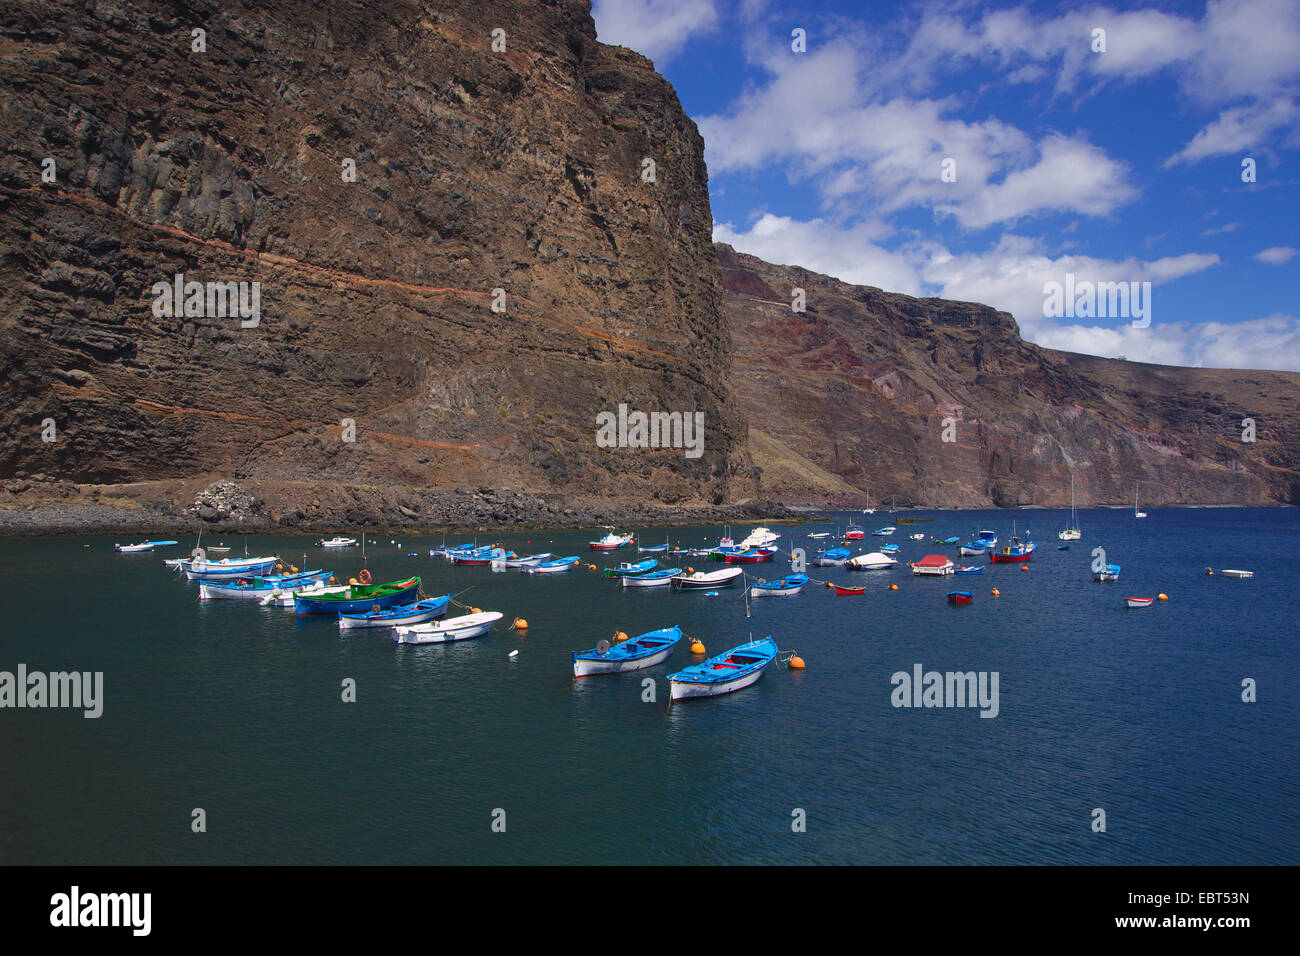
553, 567
785, 587
661, 578
399, 615
631, 568
970, 569
884, 532
356, 598
889, 549
730, 671
1109, 573
256, 587
950, 540
227, 570
654, 549
642, 651
832, 558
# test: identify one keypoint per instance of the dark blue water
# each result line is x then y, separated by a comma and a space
237, 709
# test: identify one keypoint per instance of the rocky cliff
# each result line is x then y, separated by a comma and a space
379, 169
851, 401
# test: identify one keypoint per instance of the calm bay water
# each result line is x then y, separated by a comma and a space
237, 709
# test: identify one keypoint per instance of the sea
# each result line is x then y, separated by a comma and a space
236, 734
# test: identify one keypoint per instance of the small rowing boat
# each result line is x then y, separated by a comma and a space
949, 540
884, 532
960, 597
1108, 573
750, 556
832, 558
630, 569
453, 629
1236, 573
969, 569
1138, 602
256, 588
228, 569
399, 615
528, 561
841, 591
785, 587
642, 651
737, 668
479, 557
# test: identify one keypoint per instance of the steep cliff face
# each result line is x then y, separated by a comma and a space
847, 402
521, 169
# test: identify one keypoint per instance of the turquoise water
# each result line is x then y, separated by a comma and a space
237, 709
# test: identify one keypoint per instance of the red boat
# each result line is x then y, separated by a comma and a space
849, 592
854, 535
752, 556
960, 597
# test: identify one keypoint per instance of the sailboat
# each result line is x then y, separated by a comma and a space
1071, 533
1136, 513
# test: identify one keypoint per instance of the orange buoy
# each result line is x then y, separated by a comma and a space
690, 570
352, 581
1162, 596
520, 624
591, 567
697, 647
893, 587
476, 610
830, 584
1024, 567
996, 593
619, 637
796, 663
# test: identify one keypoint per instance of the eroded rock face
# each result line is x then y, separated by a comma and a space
847, 402
476, 169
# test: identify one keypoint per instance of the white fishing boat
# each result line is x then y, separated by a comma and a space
875, 561
132, 548
661, 578
228, 569
760, 538
453, 629
642, 651
337, 543
731, 671
1236, 573
528, 560
704, 580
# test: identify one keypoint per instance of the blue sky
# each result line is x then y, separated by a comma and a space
1117, 165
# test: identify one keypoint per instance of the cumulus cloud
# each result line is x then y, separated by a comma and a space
1276, 255
657, 28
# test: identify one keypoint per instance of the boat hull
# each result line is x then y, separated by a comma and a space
231, 572
396, 616
591, 662
711, 679
448, 630
303, 605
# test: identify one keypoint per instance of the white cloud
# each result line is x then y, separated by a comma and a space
1270, 342
1237, 129
1276, 255
658, 29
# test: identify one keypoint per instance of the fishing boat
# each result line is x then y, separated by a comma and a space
819, 535
1108, 573
1072, 533
453, 629
528, 560
973, 549
256, 588
449, 552
933, 564
1015, 550
1237, 573
555, 566
960, 597
990, 538
884, 532
132, 548
1138, 602
832, 558
853, 532
1136, 513
760, 538
785, 587
479, 557
653, 549
644, 650
890, 549
731, 671
875, 561
750, 556
337, 542
356, 598
919, 536
398, 615
949, 540
969, 569
228, 569
705, 580
842, 591
631, 568
612, 541
653, 579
